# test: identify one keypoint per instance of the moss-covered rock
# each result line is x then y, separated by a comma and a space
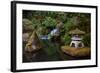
76, 52
27, 25
34, 43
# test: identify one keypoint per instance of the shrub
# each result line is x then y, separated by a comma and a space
67, 39
87, 40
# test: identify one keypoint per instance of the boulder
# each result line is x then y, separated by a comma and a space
34, 43
76, 52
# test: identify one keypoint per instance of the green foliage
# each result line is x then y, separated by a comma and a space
69, 25
42, 31
35, 22
49, 22
85, 23
67, 39
43, 21
87, 40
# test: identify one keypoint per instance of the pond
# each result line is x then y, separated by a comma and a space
51, 51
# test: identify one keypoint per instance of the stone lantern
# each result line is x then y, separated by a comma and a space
76, 40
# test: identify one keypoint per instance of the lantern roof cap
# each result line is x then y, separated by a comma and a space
76, 31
